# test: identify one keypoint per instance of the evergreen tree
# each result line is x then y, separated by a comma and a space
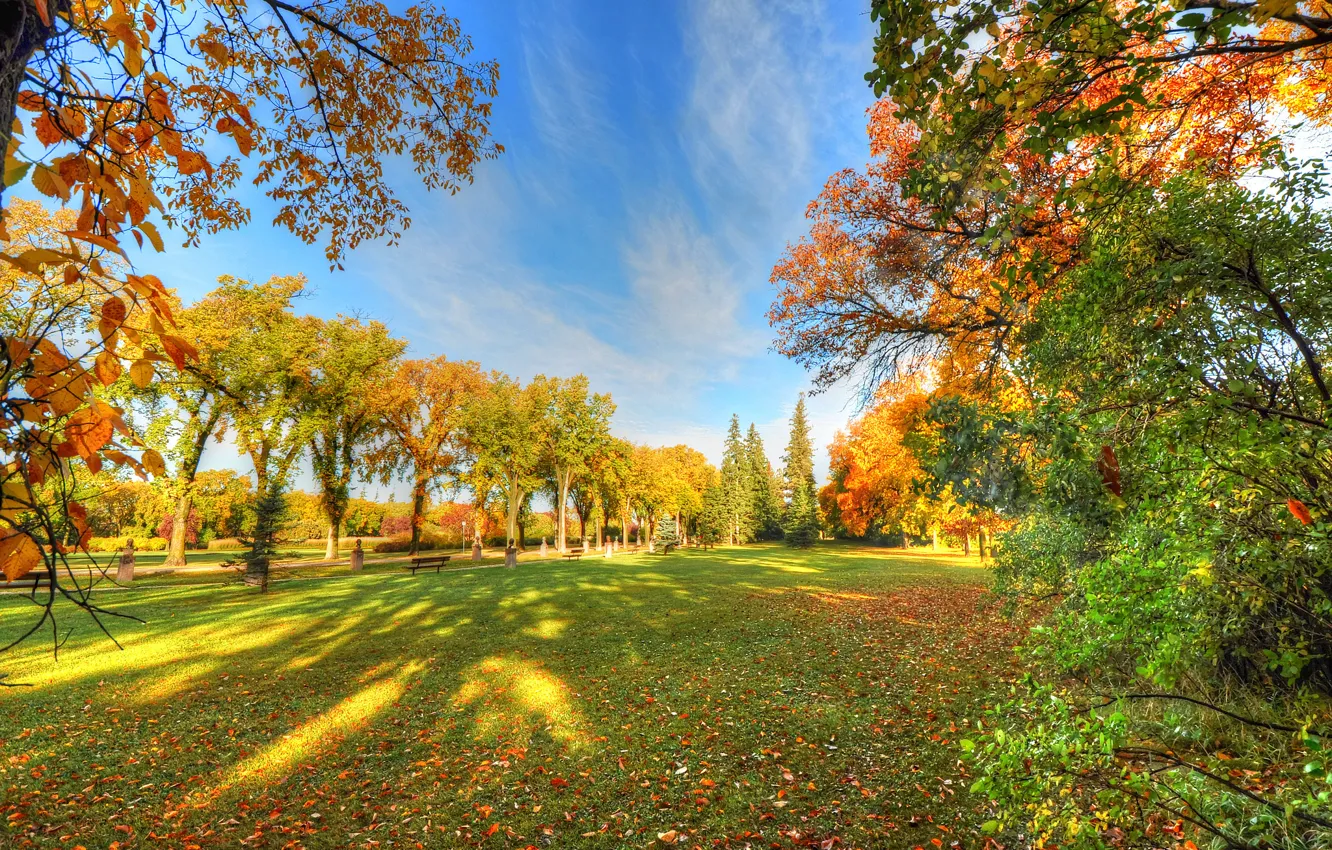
668, 535
736, 490
270, 516
799, 458
712, 519
802, 518
764, 501
801, 523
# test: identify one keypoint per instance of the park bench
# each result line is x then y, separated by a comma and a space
425, 562
35, 580
573, 555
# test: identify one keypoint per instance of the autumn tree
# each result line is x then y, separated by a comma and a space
578, 433
1123, 86
352, 361
507, 431
121, 109
65, 313
424, 408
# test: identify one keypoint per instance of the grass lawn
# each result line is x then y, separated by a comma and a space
745, 697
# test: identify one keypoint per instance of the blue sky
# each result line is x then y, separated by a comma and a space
658, 158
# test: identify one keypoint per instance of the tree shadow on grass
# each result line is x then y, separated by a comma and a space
394, 705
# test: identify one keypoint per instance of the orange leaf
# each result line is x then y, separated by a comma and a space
668, 837
113, 310
43, 12
107, 368
18, 555
494, 828
178, 350
1299, 511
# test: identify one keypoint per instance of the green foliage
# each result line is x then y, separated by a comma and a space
1179, 462
801, 526
737, 489
765, 490
668, 533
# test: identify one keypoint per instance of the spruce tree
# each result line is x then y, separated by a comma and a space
736, 490
712, 519
802, 518
668, 535
801, 523
799, 458
764, 504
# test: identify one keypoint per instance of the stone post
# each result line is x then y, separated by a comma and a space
544, 550
609, 549
476, 550
511, 555
652, 546
125, 572
358, 557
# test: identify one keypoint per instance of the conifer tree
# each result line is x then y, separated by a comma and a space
668, 534
801, 528
736, 490
764, 501
801, 523
712, 519
799, 458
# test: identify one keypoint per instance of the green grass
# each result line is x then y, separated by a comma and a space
740, 697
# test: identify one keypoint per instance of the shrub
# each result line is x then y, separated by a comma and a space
224, 543
430, 540
115, 544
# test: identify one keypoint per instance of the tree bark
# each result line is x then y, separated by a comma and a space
515, 496
189, 470
21, 34
418, 511
564, 479
332, 541
176, 547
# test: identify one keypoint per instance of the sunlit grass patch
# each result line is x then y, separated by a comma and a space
591, 704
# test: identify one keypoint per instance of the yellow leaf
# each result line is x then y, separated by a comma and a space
141, 373
148, 229
152, 461
18, 554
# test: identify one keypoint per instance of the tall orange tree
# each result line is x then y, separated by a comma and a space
423, 409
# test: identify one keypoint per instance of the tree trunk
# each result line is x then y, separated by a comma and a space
21, 34
966, 544
418, 511
331, 541
564, 479
515, 494
934, 539
189, 470
176, 548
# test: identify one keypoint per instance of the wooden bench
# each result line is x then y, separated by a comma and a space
574, 555
35, 580
425, 562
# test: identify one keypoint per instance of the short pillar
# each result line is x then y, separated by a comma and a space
476, 550
125, 571
609, 549
511, 555
357, 557
544, 549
